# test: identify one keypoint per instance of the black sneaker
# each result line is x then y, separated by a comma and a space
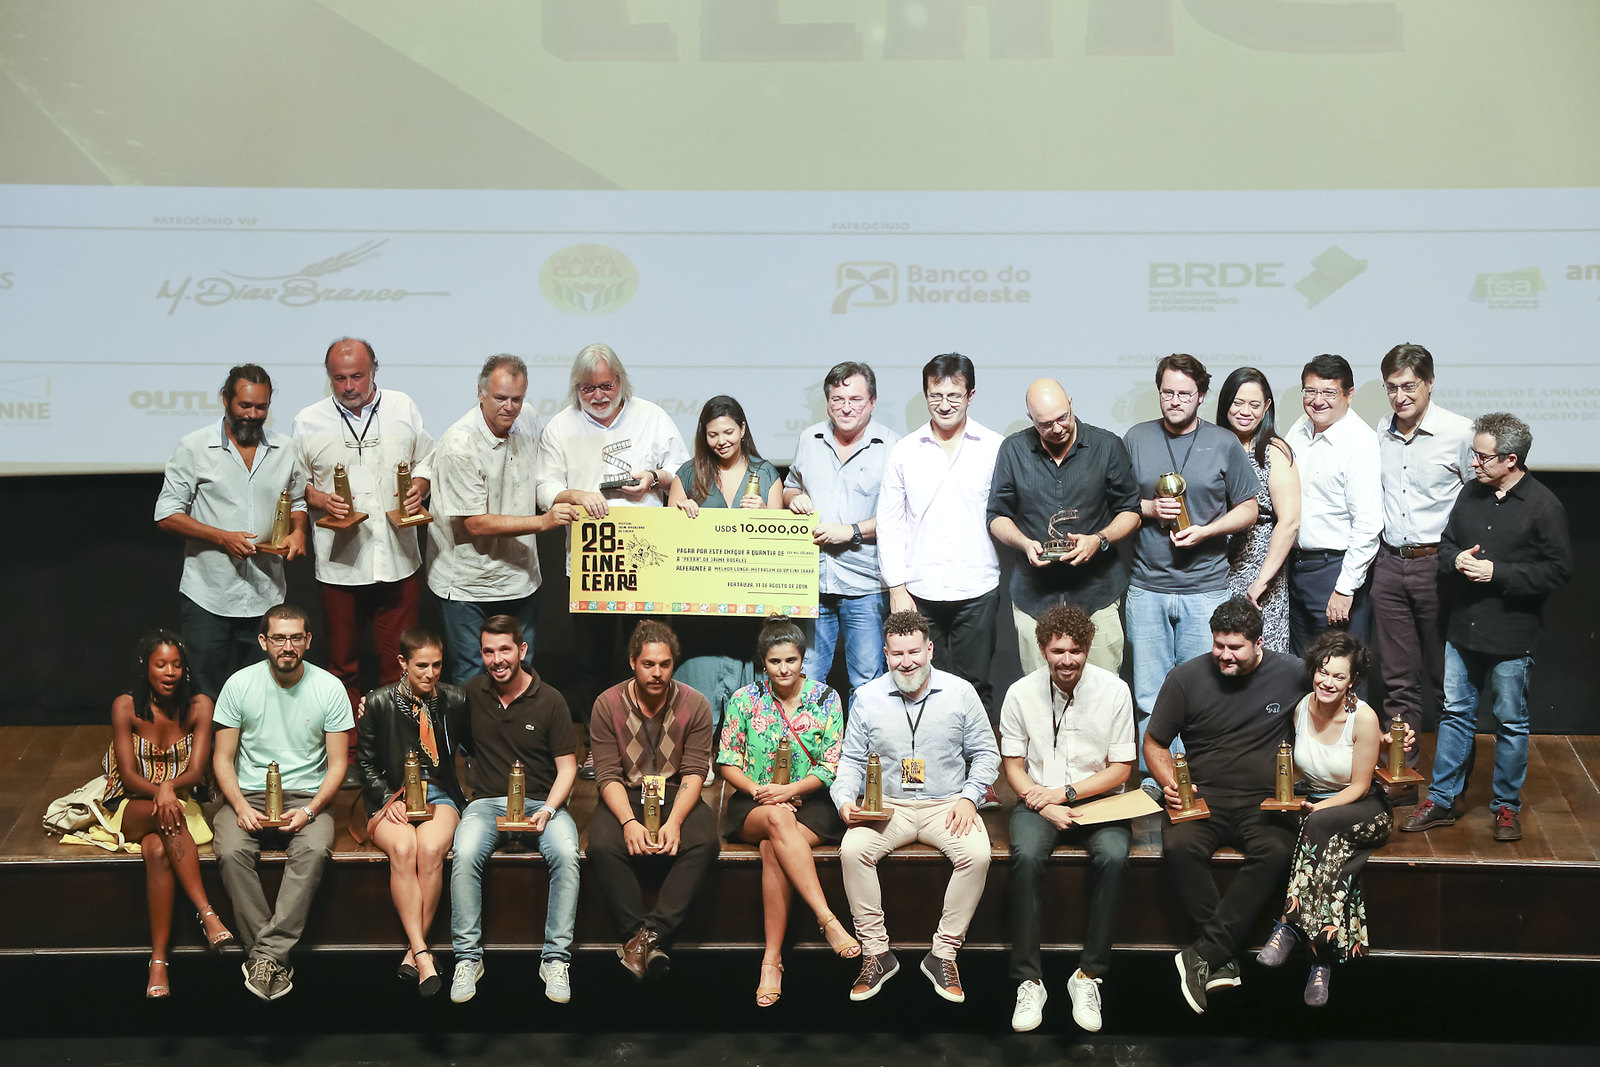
1193, 973
875, 970
1428, 815
1506, 825
1224, 977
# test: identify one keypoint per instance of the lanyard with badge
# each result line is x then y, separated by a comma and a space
914, 771
360, 478
1056, 762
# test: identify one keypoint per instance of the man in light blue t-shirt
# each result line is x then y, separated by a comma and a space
284, 711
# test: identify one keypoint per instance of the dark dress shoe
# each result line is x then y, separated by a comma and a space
642, 955
1429, 815
1507, 827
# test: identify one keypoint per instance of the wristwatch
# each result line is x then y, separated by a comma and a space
311, 816
1072, 795
855, 535
1105, 542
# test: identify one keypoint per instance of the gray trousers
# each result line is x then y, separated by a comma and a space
263, 930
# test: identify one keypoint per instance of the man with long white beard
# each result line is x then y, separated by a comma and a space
938, 756
220, 494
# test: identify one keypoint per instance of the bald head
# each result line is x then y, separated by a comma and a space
351, 365
1050, 408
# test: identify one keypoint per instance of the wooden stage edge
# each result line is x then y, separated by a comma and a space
1451, 892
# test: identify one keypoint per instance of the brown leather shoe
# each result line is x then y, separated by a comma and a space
944, 976
1428, 815
635, 954
1507, 827
875, 970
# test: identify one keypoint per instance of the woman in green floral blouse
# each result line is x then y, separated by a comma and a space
785, 821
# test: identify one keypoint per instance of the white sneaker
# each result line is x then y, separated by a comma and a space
464, 983
1085, 994
1029, 1012
557, 986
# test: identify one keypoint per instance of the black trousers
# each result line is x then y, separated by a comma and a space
679, 876
1265, 838
1312, 576
1032, 839
963, 639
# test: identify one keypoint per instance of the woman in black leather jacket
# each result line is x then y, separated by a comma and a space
417, 713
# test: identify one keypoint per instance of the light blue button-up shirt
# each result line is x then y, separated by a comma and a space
843, 492
953, 736
207, 480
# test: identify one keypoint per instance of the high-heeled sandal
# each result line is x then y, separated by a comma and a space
848, 949
221, 941
154, 990
429, 985
767, 996
407, 971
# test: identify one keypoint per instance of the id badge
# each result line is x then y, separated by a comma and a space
913, 774
361, 482
660, 781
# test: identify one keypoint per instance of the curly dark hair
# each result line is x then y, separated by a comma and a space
1330, 644
1237, 616
653, 631
905, 623
182, 698
1064, 619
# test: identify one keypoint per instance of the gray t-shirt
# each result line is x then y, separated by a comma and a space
1218, 476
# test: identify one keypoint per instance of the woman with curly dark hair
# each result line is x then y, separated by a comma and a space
160, 750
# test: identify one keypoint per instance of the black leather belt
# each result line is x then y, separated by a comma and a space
1319, 553
1411, 551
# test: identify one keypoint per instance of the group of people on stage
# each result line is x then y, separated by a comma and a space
1247, 545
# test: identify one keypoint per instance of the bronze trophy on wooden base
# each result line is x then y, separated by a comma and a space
782, 762
1059, 545
1189, 805
1283, 798
1396, 772
872, 809
274, 802
416, 792
515, 819
282, 527
341, 489
652, 808
1172, 484
400, 518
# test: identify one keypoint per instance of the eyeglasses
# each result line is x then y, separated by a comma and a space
1060, 421
280, 640
839, 403
1183, 396
1484, 458
598, 387
1322, 394
947, 398
1409, 388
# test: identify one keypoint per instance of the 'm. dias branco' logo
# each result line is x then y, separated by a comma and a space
876, 284
1513, 290
25, 399
1210, 286
588, 280
309, 286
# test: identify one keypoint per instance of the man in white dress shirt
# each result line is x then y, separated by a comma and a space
220, 494
485, 507
1425, 454
934, 549
1341, 507
606, 449
369, 572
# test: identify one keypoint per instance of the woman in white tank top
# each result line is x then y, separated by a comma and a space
1345, 815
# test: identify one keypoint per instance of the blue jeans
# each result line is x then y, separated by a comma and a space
860, 619
1164, 630
476, 839
1465, 673
461, 639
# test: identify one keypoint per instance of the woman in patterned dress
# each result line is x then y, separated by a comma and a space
784, 821
160, 751
1256, 556
1345, 816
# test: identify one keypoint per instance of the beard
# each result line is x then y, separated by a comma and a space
247, 432
912, 682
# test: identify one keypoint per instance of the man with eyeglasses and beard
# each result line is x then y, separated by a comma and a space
606, 449
219, 494
286, 711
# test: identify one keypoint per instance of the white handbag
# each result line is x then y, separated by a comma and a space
79, 810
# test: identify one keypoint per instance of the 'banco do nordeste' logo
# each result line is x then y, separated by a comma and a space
588, 280
1512, 290
876, 284
309, 286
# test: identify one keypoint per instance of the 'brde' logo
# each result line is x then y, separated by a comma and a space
588, 280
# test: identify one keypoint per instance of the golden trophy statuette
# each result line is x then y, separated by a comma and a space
1059, 545
282, 527
1283, 798
782, 762
516, 816
652, 811
400, 518
274, 803
341, 489
1172, 484
1190, 806
1396, 772
872, 809
416, 793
